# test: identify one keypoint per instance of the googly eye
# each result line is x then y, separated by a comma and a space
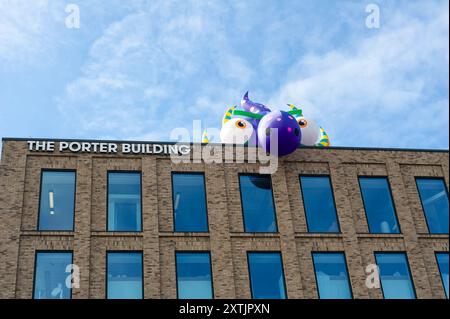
236, 131
241, 124
303, 123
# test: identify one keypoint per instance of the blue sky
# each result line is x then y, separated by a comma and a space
138, 69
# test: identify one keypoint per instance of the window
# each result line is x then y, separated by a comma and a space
57, 200
194, 275
434, 197
124, 275
442, 260
378, 205
50, 275
332, 276
319, 204
266, 275
395, 276
257, 203
189, 202
124, 201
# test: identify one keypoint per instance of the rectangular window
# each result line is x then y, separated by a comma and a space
50, 275
434, 197
378, 205
124, 201
266, 275
319, 204
442, 260
57, 200
395, 277
124, 275
189, 202
194, 280
332, 276
257, 203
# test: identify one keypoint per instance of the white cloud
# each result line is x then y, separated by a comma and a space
157, 65
154, 70
28, 29
382, 90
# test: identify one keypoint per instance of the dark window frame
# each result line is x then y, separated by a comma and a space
421, 200
46, 251
332, 196
107, 201
141, 252
349, 278
193, 252
436, 253
248, 252
411, 278
392, 200
40, 198
205, 198
277, 231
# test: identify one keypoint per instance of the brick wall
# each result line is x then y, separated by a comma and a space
19, 195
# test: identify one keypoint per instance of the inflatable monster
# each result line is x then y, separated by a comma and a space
256, 124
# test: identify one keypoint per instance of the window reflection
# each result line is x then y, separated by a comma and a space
442, 259
124, 276
124, 201
434, 197
266, 275
319, 204
332, 277
57, 200
194, 275
378, 205
189, 202
50, 275
395, 278
257, 203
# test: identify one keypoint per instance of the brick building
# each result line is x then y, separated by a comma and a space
95, 232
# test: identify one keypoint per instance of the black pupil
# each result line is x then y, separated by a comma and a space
240, 124
302, 123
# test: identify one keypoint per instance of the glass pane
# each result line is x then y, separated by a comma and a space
124, 201
50, 276
434, 197
394, 275
194, 276
442, 259
319, 204
257, 203
266, 276
57, 200
332, 276
124, 276
378, 204
189, 202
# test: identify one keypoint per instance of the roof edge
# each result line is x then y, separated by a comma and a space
5, 139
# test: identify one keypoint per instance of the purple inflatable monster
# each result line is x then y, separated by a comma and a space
277, 132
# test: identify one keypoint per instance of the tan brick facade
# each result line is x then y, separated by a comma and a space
20, 172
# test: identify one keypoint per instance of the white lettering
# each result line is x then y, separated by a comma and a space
31, 145
126, 148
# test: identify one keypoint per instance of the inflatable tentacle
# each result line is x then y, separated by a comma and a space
228, 114
205, 138
324, 140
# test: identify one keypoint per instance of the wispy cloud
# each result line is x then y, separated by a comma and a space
138, 69
27, 29
389, 88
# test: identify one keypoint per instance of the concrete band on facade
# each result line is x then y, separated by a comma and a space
20, 171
